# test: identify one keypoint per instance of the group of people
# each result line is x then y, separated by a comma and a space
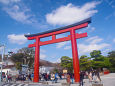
25, 77
50, 77
54, 77
94, 76
6, 77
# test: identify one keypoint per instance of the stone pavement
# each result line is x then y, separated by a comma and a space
108, 80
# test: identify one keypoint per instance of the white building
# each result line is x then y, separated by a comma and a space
43, 69
8, 67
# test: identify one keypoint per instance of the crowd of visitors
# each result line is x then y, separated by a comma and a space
55, 76
93, 76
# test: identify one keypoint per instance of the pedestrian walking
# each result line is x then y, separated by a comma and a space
52, 77
72, 77
90, 76
98, 76
68, 79
81, 78
56, 77
32, 76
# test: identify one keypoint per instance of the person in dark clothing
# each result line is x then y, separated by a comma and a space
72, 77
98, 76
56, 77
81, 78
60, 75
49, 77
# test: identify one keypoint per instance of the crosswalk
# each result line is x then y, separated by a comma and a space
14, 84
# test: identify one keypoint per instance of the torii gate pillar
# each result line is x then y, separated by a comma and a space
75, 56
36, 60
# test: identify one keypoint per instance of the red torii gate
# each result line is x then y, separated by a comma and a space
73, 36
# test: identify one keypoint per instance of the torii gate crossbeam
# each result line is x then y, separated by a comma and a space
73, 36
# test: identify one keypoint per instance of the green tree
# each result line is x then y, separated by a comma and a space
99, 61
83, 56
111, 56
67, 63
107, 63
23, 56
85, 63
95, 53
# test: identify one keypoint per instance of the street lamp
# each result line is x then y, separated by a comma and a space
3, 46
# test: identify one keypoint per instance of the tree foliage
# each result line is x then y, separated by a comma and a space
85, 63
95, 53
97, 60
111, 56
24, 56
67, 63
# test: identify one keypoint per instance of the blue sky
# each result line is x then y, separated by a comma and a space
19, 17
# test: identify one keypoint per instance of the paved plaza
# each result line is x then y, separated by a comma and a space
107, 80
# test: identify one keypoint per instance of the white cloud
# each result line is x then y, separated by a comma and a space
91, 38
1, 48
94, 43
14, 50
94, 40
6, 2
109, 16
106, 51
20, 14
61, 44
111, 3
42, 50
57, 61
17, 39
114, 40
18, 11
71, 14
42, 56
87, 29
86, 48
67, 47
90, 28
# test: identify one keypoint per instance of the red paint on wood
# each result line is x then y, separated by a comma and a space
36, 61
53, 37
31, 45
75, 56
62, 39
31, 38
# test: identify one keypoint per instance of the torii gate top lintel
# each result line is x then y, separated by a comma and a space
88, 20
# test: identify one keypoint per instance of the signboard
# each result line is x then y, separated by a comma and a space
24, 69
64, 71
